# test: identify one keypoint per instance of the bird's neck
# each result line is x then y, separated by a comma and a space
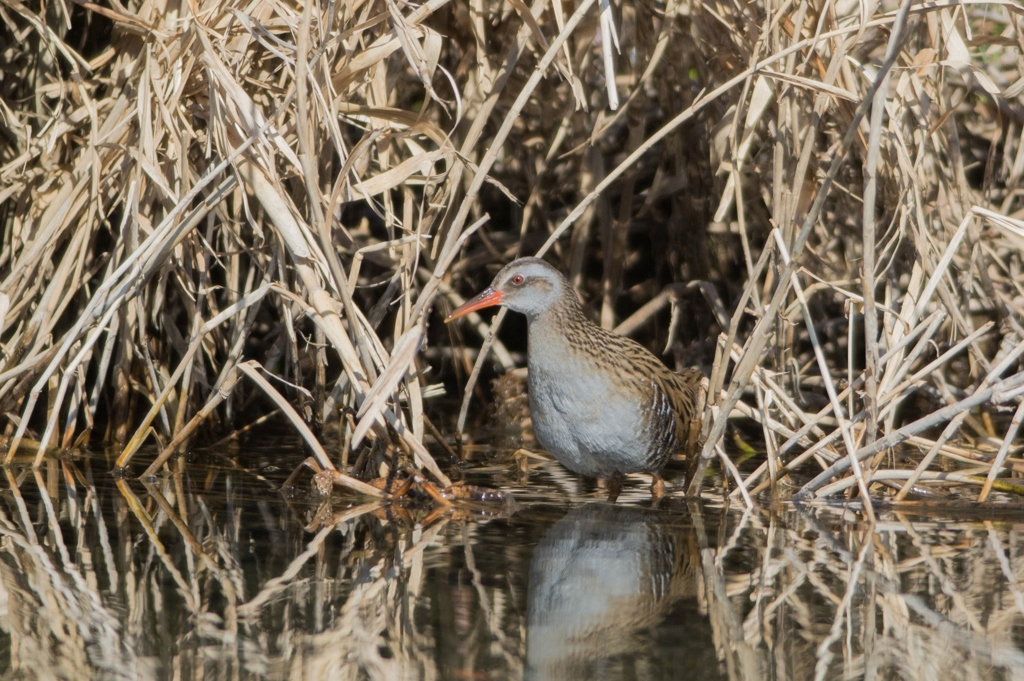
559, 332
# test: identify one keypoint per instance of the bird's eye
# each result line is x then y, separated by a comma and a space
517, 280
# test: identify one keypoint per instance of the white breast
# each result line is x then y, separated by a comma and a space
581, 418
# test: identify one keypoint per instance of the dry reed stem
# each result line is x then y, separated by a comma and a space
158, 175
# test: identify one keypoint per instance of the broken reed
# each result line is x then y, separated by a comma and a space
203, 209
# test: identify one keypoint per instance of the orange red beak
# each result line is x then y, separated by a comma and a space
488, 298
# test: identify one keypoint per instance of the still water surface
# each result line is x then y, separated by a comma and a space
215, 574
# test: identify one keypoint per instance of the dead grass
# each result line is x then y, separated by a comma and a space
207, 206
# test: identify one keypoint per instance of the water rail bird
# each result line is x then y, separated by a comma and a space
602, 404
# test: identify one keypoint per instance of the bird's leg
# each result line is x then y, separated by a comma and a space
614, 487
657, 487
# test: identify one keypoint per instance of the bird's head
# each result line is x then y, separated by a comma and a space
527, 285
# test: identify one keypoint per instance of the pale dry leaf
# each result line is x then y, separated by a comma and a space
421, 165
401, 359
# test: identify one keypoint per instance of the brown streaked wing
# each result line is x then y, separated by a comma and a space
685, 390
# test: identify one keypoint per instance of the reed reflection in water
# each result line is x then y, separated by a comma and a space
212, 574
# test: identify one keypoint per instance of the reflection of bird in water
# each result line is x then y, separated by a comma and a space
601, 581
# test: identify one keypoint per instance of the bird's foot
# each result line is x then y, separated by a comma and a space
657, 488
614, 487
